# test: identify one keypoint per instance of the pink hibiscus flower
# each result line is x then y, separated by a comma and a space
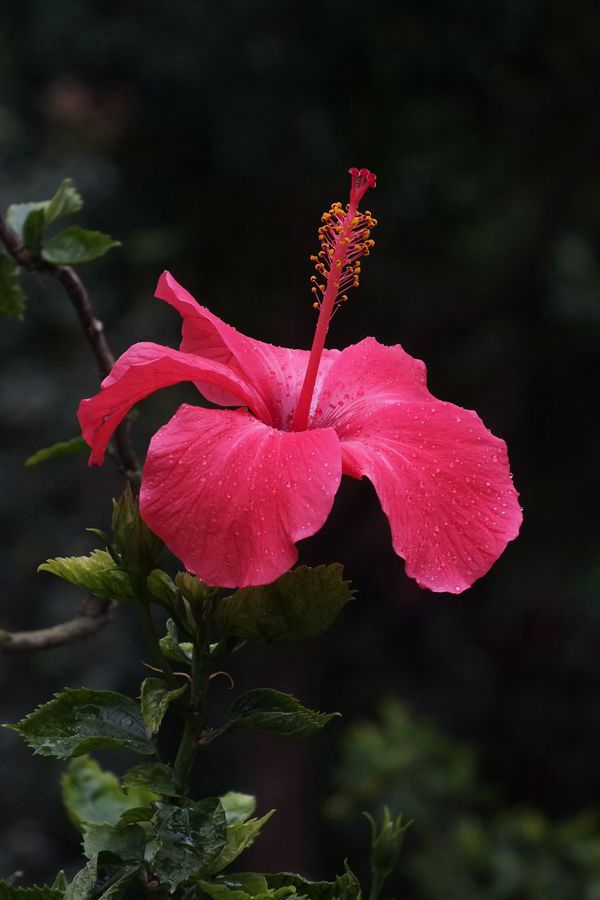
230, 492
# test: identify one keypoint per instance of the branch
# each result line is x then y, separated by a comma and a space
90, 325
93, 615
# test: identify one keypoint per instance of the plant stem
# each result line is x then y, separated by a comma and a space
194, 719
150, 631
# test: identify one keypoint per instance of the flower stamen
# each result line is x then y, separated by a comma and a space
345, 237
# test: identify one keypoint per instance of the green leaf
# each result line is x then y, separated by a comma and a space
66, 201
93, 796
84, 881
33, 228
35, 892
386, 841
78, 720
12, 298
155, 777
101, 880
238, 807
301, 604
345, 887
244, 886
137, 814
189, 838
162, 588
172, 649
115, 886
18, 214
194, 590
155, 700
62, 448
98, 573
138, 548
60, 882
240, 835
267, 710
125, 841
75, 245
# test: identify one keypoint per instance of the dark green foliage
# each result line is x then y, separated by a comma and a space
94, 796
301, 604
264, 709
188, 840
61, 448
155, 777
155, 700
468, 845
36, 892
12, 298
78, 720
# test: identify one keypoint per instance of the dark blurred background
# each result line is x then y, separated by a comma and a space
209, 138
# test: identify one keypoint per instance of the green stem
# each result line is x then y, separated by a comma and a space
194, 719
157, 654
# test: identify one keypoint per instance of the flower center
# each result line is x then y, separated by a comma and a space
345, 237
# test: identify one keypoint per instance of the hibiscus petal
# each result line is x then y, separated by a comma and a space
141, 370
277, 373
444, 483
364, 375
230, 496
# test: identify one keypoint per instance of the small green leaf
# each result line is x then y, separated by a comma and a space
18, 214
114, 886
66, 201
139, 549
93, 796
194, 590
237, 886
75, 245
125, 841
137, 814
155, 700
60, 882
78, 720
238, 807
33, 229
345, 887
156, 777
35, 892
102, 881
162, 588
188, 838
267, 710
98, 573
386, 841
172, 649
62, 448
84, 881
12, 298
240, 835
244, 886
301, 604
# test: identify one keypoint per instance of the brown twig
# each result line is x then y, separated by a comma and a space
90, 325
93, 615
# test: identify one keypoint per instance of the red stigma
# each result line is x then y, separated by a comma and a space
362, 180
